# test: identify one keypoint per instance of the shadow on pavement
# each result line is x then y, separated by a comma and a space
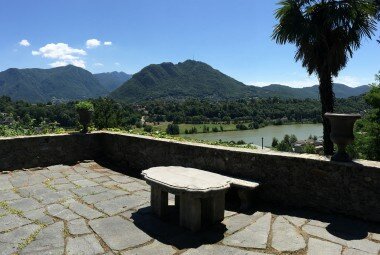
168, 231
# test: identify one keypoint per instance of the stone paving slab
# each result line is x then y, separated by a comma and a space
119, 204
49, 240
78, 227
39, 215
25, 204
220, 249
319, 247
286, 237
119, 234
12, 221
254, 236
156, 248
89, 209
84, 245
83, 210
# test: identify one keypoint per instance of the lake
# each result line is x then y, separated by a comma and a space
302, 131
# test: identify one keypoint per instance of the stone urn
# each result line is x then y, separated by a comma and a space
342, 126
85, 117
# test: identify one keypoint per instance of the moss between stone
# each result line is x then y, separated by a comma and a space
48, 185
10, 210
30, 238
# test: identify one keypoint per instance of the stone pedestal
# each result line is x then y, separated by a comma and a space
159, 200
190, 214
213, 208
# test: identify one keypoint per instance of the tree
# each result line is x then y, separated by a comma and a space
293, 139
274, 142
367, 142
172, 129
326, 33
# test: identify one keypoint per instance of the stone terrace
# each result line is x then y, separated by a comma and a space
90, 209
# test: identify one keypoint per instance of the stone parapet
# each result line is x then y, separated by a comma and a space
289, 179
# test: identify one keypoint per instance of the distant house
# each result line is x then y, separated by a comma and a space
5, 119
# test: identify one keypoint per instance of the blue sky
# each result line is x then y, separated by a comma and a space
233, 36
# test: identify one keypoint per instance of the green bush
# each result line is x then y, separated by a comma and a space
293, 139
148, 128
241, 127
172, 129
309, 148
284, 146
274, 142
85, 105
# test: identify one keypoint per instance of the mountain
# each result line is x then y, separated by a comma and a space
198, 80
183, 80
112, 80
189, 79
42, 85
340, 90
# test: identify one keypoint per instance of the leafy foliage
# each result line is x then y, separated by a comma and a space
257, 112
84, 105
172, 129
367, 130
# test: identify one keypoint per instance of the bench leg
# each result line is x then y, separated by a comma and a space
159, 201
190, 212
213, 208
245, 196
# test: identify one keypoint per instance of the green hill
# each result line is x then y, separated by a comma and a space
42, 85
112, 80
194, 79
188, 79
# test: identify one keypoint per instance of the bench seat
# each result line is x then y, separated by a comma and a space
244, 189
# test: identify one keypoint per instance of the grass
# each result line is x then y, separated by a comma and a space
48, 185
182, 127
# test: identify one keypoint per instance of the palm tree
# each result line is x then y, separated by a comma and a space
326, 33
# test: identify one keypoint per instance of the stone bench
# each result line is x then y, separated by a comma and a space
200, 195
244, 188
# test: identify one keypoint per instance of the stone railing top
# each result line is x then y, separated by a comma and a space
357, 162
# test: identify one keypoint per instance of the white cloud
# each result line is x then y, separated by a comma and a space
108, 43
58, 63
117, 64
24, 43
63, 53
92, 43
98, 64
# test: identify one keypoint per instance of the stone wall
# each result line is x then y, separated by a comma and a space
288, 179
45, 150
